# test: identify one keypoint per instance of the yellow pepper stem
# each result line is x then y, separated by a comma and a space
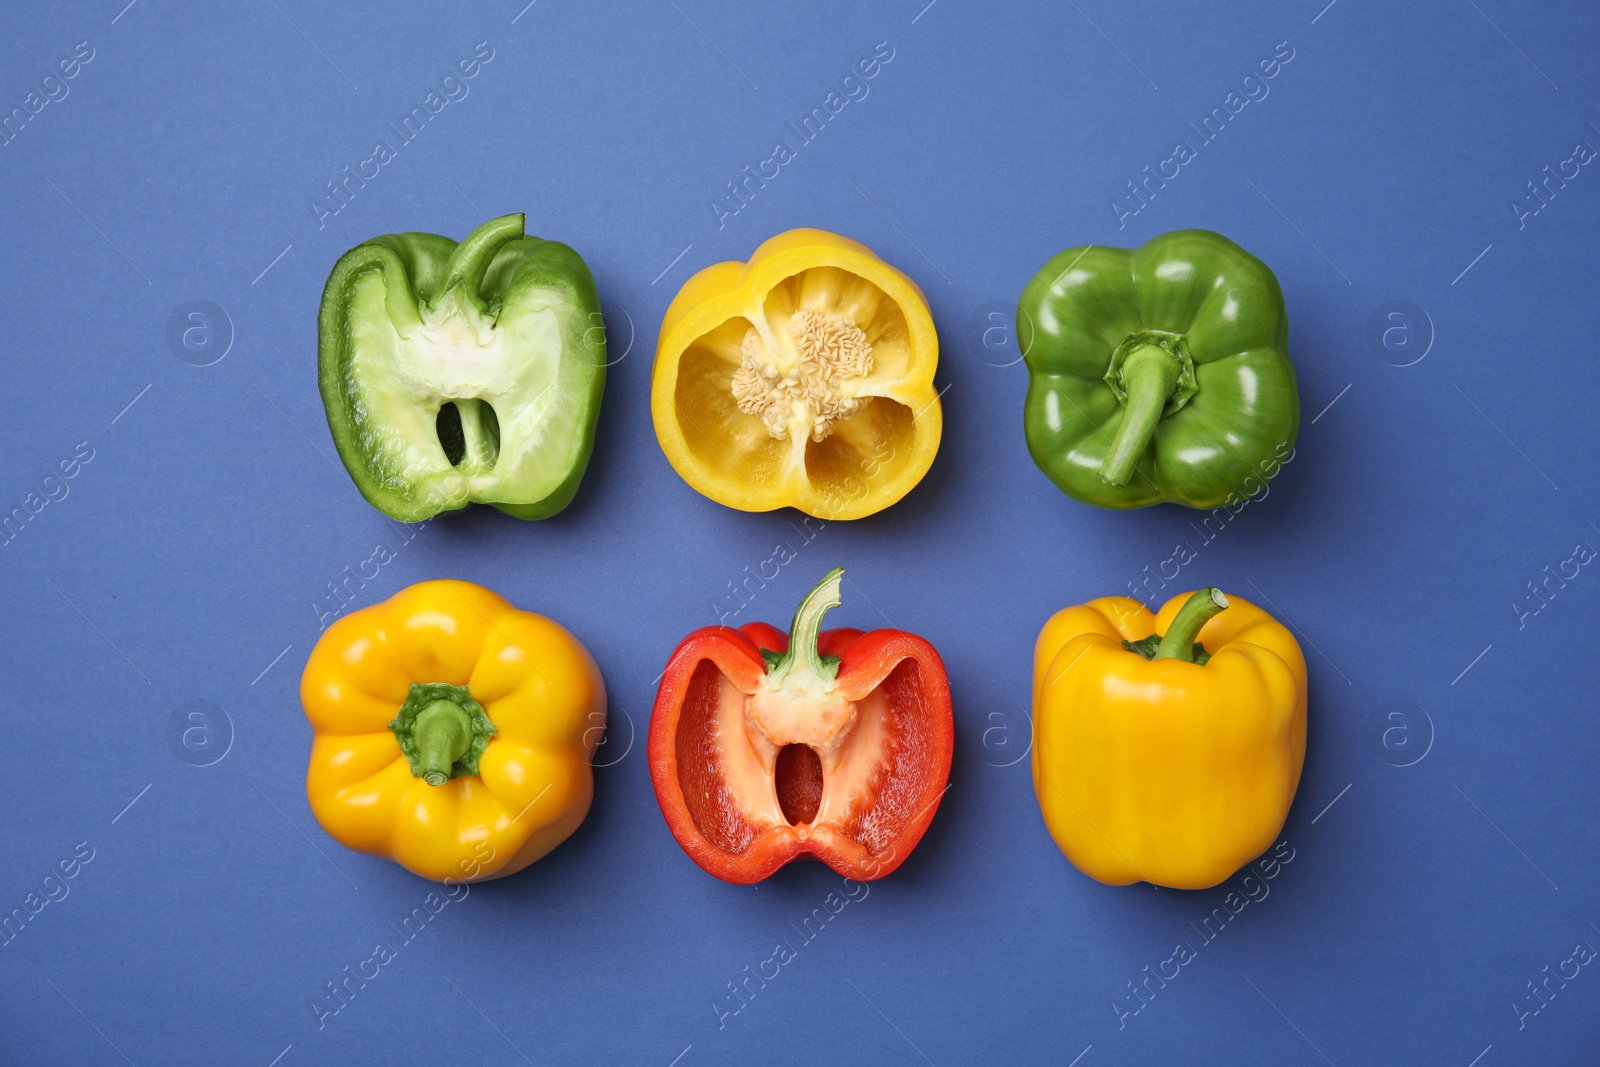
1179, 641
1150, 373
442, 731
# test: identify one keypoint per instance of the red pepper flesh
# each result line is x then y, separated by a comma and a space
840, 749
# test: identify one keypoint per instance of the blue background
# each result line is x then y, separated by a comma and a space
1458, 857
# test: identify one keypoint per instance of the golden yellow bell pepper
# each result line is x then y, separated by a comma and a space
451, 732
1167, 748
803, 378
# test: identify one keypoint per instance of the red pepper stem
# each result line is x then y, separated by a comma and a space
1180, 637
1149, 374
803, 655
443, 732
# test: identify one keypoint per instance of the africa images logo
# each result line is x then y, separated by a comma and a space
1252, 89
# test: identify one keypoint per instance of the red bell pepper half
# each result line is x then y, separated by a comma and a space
765, 746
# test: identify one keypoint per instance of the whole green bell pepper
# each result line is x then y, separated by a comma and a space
1158, 374
461, 373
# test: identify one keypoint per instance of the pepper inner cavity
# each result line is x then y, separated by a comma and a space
469, 432
811, 391
797, 779
448, 426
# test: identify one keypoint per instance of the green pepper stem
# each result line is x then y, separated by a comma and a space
1149, 374
443, 732
471, 258
1180, 638
803, 656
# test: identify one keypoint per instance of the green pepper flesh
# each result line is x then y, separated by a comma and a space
504, 328
1160, 373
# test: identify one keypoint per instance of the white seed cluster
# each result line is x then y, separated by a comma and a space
832, 352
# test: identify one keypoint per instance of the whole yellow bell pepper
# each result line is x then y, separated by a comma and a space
451, 732
803, 378
1168, 748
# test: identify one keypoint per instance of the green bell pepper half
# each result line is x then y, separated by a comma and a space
1160, 373
462, 373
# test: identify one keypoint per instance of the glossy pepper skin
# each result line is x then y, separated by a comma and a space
766, 746
1178, 769
451, 732
1158, 374
803, 378
454, 374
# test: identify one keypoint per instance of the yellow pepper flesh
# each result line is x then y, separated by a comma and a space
536, 683
1163, 770
866, 459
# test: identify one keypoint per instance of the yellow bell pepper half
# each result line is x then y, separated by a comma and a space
803, 378
1158, 759
451, 732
